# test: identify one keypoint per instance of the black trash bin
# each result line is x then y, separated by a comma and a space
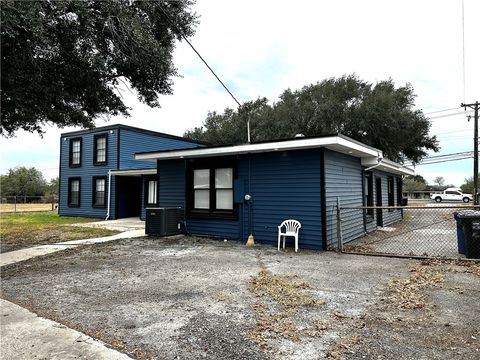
471, 229
460, 234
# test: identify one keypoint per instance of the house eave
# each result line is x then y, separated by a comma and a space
336, 143
387, 166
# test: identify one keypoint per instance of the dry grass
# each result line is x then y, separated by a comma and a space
278, 300
11, 208
19, 231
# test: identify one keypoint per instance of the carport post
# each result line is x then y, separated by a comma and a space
339, 226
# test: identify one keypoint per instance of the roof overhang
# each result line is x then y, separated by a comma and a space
135, 172
387, 166
339, 143
336, 143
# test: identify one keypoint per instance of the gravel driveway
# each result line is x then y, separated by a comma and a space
191, 298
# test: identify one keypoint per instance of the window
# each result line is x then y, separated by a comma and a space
210, 189
224, 188
100, 149
369, 195
201, 188
99, 193
150, 191
391, 192
75, 152
74, 192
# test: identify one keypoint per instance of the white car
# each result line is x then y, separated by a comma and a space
452, 194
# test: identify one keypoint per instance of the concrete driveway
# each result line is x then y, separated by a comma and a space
191, 298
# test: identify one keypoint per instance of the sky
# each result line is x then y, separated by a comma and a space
261, 48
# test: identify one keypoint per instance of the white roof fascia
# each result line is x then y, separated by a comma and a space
388, 166
297, 144
353, 145
134, 172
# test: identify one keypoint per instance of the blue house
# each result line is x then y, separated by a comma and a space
100, 177
232, 191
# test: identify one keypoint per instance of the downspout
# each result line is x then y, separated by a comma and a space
108, 193
379, 162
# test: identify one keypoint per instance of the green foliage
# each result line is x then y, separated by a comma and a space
23, 181
414, 183
379, 115
52, 187
63, 59
38, 219
467, 187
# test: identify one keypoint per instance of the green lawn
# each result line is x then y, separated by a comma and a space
19, 231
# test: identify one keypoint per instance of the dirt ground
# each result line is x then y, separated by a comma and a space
191, 298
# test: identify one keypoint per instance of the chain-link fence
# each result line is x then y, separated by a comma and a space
14, 204
423, 231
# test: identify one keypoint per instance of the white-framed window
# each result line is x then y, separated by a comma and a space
201, 188
151, 189
224, 188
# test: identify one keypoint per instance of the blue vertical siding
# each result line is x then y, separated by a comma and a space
343, 180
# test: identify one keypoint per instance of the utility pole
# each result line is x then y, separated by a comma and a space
474, 106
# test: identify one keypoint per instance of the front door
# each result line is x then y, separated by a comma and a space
378, 203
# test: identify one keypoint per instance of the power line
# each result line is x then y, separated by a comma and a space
448, 115
444, 158
200, 56
437, 111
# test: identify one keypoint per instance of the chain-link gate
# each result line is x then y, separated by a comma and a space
423, 231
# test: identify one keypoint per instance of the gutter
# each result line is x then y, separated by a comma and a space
379, 162
108, 193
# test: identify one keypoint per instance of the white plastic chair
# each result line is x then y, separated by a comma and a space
292, 227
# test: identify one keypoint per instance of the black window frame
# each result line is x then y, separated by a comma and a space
212, 212
390, 192
146, 181
95, 149
69, 200
369, 213
94, 192
70, 153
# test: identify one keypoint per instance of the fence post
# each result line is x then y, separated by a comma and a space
339, 226
53, 201
15, 204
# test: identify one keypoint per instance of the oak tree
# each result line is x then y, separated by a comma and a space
62, 60
380, 115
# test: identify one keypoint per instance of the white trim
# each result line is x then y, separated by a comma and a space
388, 166
335, 143
135, 172
339, 143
